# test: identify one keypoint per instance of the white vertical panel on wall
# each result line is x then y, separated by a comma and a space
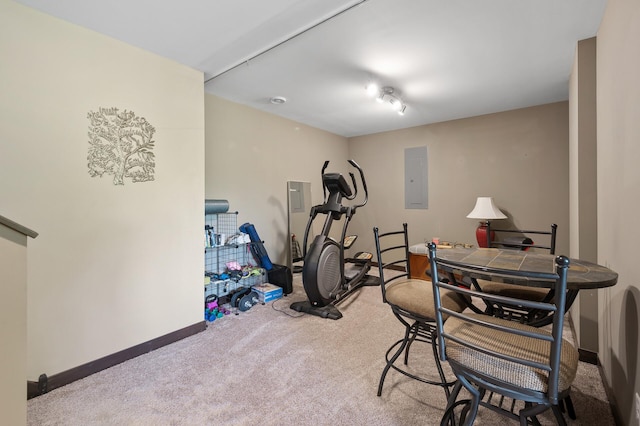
416, 178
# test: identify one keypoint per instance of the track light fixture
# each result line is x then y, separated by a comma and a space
386, 94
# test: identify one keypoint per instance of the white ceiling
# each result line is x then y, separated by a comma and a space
448, 59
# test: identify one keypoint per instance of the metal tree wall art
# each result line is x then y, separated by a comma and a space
120, 144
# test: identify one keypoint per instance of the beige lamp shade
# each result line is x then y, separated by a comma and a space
486, 209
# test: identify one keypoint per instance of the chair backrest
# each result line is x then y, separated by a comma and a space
517, 238
483, 341
392, 251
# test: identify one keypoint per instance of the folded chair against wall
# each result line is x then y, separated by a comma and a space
489, 354
411, 301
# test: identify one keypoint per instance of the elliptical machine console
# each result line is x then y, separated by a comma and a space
328, 277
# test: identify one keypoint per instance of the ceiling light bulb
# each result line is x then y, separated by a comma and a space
395, 104
372, 89
401, 110
381, 97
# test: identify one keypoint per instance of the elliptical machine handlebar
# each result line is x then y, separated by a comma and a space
355, 187
353, 182
331, 205
364, 184
324, 188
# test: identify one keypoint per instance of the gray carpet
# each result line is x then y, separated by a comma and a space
274, 366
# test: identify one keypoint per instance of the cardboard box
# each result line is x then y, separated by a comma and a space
268, 292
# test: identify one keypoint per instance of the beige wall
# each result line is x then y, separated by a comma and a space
250, 156
13, 326
583, 185
495, 155
519, 157
618, 94
114, 266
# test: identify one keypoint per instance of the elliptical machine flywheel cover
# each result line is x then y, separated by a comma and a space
321, 275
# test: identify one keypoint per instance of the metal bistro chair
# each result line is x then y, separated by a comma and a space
519, 242
489, 354
519, 239
411, 301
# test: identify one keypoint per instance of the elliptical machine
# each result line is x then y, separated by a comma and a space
328, 277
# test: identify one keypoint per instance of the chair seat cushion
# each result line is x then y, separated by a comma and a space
514, 290
511, 344
416, 296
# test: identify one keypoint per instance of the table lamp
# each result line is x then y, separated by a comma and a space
486, 210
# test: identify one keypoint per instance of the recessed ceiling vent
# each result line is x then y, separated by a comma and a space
278, 100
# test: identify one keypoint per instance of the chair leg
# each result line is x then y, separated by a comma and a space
570, 410
467, 419
532, 410
535, 421
529, 412
393, 358
558, 414
448, 418
415, 329
436, 357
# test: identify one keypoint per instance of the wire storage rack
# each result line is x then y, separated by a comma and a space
229, 263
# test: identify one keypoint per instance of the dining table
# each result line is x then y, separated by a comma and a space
582, 274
